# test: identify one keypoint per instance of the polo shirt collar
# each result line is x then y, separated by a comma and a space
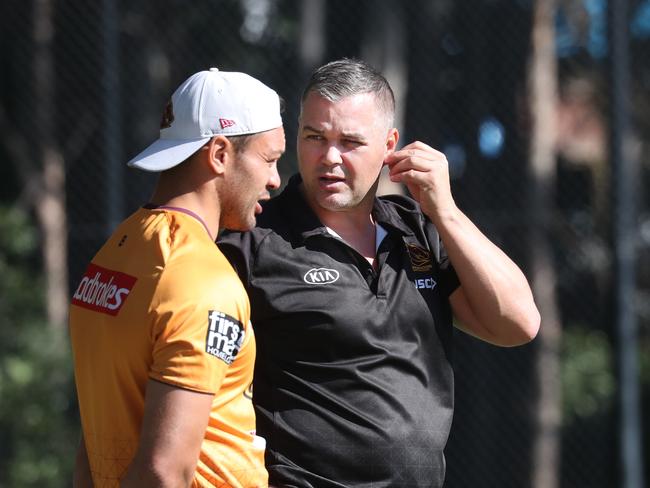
387, 216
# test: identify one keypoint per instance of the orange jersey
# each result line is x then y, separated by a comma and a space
159, 301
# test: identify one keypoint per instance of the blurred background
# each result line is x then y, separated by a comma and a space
542, 108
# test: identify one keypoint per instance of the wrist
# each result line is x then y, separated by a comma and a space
443, 214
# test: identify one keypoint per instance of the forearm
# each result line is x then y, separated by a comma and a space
502, 309
173, 428
494, 301
147, 475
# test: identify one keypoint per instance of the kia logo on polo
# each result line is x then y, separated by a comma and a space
321, 276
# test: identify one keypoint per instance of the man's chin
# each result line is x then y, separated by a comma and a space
245, 226
334, 203
242, 225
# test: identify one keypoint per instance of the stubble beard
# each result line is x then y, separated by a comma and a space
240, 219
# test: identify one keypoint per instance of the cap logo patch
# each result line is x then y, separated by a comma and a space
321, 276
226, 123
225, 336
103, 290
167, 116
420, 258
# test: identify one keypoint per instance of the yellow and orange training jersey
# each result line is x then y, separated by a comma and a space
160, 301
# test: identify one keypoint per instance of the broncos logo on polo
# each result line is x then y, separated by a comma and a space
420, 258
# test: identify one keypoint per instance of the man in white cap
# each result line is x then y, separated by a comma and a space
163, 346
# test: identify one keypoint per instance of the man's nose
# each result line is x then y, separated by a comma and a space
274, 179
332, 155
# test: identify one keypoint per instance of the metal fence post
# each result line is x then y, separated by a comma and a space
624, 226
112, 123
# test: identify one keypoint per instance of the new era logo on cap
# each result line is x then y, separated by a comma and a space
226, 123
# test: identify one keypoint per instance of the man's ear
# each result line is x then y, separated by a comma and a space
219, 152
391, 140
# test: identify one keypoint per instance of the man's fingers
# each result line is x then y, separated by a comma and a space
406, 176
420, 164
424, 163
414, 154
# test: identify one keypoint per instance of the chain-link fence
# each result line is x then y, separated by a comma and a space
84, 83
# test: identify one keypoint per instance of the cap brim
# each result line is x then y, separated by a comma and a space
166, 153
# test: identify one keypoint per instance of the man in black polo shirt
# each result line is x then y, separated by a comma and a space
352, 297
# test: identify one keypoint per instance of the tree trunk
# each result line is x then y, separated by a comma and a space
50, 196
542, 96
312, 44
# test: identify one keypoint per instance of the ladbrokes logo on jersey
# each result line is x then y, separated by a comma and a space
103, 290
225, 336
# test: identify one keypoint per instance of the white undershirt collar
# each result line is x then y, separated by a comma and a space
380, 233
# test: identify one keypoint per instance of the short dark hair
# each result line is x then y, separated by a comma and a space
239, 142
346, 77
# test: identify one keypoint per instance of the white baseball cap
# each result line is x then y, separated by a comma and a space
209, 103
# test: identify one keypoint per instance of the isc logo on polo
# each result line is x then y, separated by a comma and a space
103, 290
425, 283
225, 336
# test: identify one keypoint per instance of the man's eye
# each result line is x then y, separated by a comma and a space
352, 142
314, 137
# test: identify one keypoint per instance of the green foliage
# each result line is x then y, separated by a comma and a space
20, 290
38, 420
588, 374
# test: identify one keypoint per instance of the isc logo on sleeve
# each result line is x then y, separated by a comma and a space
225, 336
103, 290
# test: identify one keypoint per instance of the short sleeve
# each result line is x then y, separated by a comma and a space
201, 321
448, 279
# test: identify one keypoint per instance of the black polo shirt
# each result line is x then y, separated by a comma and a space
353, 382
